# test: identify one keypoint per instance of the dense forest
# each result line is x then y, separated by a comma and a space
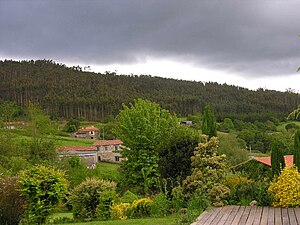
66, 92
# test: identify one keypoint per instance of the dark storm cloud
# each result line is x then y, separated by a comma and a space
257, 37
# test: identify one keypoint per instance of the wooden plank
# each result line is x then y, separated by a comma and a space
251, 216
219, 216
238, 215
285, 216
213, 214
245, 215
297, 214
271, 216
258, 216
264, 216
203, 217
227, 213
278, 217
232, 215
292, 216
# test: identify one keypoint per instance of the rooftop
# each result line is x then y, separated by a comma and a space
89, 128
108, 142
267, 160
75, 148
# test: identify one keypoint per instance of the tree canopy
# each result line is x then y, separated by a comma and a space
142, 126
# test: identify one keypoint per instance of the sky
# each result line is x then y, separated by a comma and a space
248, 43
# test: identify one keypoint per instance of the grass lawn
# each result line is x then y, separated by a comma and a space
168, 220
108, 171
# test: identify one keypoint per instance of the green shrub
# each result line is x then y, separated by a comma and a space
178, 198
243, 191
189, 217
285, 189
12, 204
119, 211
218, 194
129, 197
106, 200
198, 201
43, 188
140, 208
160, 205
85, 197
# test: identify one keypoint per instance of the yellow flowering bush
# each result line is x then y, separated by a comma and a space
234, 180
118, 211
285, 189
141, 208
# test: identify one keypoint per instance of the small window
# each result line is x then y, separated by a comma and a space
117, 158
116, 147
99, 158
98, 148
92, 133
92, 137
105, 148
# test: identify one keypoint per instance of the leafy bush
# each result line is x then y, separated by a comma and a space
290, 126
178, 198
189, 217
244, 190
161, 205
285, 189
12, 204
140, 208
43, 188
208, 172
85, 197
198, 201
106, 200
119, 211
129, 197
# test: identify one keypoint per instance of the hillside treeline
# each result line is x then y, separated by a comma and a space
66, 92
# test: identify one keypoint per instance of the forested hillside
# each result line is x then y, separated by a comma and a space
69, 92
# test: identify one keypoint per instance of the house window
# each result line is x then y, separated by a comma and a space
105, 148
92, 137
98, 148
92, 133
117, 158
99, 158
116, 147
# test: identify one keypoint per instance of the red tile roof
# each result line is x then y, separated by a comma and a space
108, 142
89, 128
267, 160
75, 148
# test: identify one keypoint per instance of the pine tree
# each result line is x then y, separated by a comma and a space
277, 157
297, 149
209, 125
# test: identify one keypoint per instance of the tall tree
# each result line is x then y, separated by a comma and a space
209, 125
142, 126
297, 149
8, 110
277, 157
40, 147
177, 150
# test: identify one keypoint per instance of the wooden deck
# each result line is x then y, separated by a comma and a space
247, 215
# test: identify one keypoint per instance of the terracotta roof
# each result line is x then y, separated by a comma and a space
267, 160
75, 148
108, 142
89, 128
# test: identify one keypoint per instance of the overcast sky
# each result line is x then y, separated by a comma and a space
250, 43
